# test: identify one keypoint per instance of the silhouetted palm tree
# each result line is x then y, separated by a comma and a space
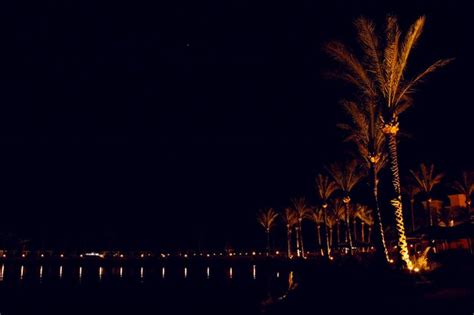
290, 220
303, 211
330, 223
325, 187
366, 217
426, 180
346, 177
340, 214
267, 220
380, 77
465, 186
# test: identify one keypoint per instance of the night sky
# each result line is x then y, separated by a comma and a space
168, 125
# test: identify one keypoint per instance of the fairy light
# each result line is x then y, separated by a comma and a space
60, 272
163, 272
254, 272
230, 273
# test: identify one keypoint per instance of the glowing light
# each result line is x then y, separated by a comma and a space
23, 255
185, 272
142, 255
41, 272
81, 255
60, 272
391, 261
278, 252
208, 272
230, 273
42, 255
80, 273
101, 273
185, 255
254, 272
121, 272
163, 255
254, 253
163, 272
278, 275
4, 255
121, 255
141, 272
208, 255
22, 271
62, 255
416, 269
2, 270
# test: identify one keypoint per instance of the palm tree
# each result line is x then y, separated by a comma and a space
330, 223
303, 211
340, 215
346, 177
366, 217
317, 216
325, 187
355, 214
290, 220
364, 132
465, 186
426, 180
380, 77
411, 191
267, 220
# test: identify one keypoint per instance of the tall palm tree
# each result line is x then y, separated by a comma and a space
346, 177
363, 130
411, 190
325, 187
426, 180
330, 223
380, 77
303, 211
267, 220
290, 220
317, 216
465, 186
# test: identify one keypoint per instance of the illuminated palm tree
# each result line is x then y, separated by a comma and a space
340, 215
346, 177
355, 214
325, 187
366, 217
317, 216
363, 130
465, 186
330, 223
411, 191
290, 220
267, 220
380, 77
303, 211
426, 180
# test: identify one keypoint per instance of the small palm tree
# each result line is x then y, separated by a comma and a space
411, 191
303, 211
290, 220
355, 214
267, 220
325, 187
317, 216
330, 223
465, 186
426, 180
380, 77
366, 217
340, 214
346, 177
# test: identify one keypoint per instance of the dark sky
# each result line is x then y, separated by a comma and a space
169, 124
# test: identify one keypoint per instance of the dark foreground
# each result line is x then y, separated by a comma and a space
235, 288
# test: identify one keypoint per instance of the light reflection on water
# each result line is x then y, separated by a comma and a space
189, 273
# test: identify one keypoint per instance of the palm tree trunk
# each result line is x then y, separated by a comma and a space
354, 227
430, 214
298, 249
319, 235
369, 233
268, 242
301, 238
288, 240
362, 233
348, 230
330, 236
338, 232
396, 201
380, 245
328, 252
